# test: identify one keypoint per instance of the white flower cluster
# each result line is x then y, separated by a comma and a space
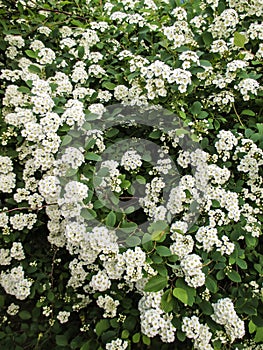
131, 160
154, 321
72, 201
49, 187
192, 268
5, 258
12, 309
109, 305
14, 283
21, 221
184, 244
46, 56
117, 344
157, 73
97, 135
225, 314
198, 332
97, 108
252, 160
72, 157
219, 46
112, 180
7, 177
17, 251
63, 316
255, 31
245, 8
224, 24
78, 274
132, 96
79, 73
248, 86
132, 262
187, 57
224, 100
74, 113
179, 33
100, 281
226, 142
209, 238
4, 219
151, 199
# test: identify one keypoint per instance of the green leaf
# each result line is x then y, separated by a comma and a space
133, 241
34, 69
24, 315
180, 132
92, 156
111, 133
180, 336
31, 54
88, 214
167, 301
205, 63
155, 134
87, 345
160, 268
66, 140
233, 276
207, 38
61, 340
2, 301
111, 219
156, 283
71, 172
147, 242
191, 292
81, 52
24, 89
217, 345
257, 320
239, 39
181, 295
50, 296
196, 108
163, 251
251, 327
248, 112
108, 85
102, 326
158, 230
136, 338
241, 263
125, 334
259, 335
77, 23
130, 322
206, 307
211, 284
146, 340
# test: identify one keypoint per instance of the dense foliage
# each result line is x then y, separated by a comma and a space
76, 271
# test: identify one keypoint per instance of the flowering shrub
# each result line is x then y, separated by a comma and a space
146, 247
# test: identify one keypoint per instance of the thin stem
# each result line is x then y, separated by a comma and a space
62, 12
53, 267
238, 117
27, 208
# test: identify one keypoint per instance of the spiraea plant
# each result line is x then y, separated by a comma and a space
131, 181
